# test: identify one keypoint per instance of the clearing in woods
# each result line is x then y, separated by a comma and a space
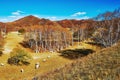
12, 41
11, 72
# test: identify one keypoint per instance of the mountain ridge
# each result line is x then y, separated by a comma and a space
31, 20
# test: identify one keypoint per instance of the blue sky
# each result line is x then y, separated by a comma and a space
11, 10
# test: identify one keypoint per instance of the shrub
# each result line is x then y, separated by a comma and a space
75, 54
19, 57
1, 43
1, 53
1, 46
21, 30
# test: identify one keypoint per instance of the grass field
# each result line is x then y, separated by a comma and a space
12, 72
9, 72
102, 65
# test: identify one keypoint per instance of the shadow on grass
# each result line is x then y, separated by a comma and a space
75, 54
95, 43
24, 44
1, 53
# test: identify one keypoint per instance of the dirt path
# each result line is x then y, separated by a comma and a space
12, 40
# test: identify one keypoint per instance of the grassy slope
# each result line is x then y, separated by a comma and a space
12, 41
8, 72
102, 65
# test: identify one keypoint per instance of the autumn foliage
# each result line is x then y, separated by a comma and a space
100, 65
47, 38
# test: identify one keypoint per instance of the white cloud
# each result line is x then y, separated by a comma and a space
66, 17
36, 15
4, 20
10, 18
14, 16
53, 18
18, 12
84, 17
78, 14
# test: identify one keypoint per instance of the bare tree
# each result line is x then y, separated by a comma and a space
48, 39
108, 30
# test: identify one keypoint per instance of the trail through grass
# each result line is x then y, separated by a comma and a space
11, 72
12, 40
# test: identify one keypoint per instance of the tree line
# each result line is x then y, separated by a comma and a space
48, 38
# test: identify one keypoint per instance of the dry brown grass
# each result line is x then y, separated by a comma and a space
102, 65
11, 72
12, 41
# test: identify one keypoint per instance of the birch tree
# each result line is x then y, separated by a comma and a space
108, 30
48, 39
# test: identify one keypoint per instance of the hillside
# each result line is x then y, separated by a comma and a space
27, 22
2, 24
66, 23
30, 20
75, 23
102, 65
22, 23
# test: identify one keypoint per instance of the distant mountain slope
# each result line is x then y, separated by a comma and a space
2, 24
76, 23
27, 22
30, 20
66, 23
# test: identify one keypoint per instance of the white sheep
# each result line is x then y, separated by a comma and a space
114, 44
52, 51
44, 60
48, 56
22, 70
37, 65
1, 64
